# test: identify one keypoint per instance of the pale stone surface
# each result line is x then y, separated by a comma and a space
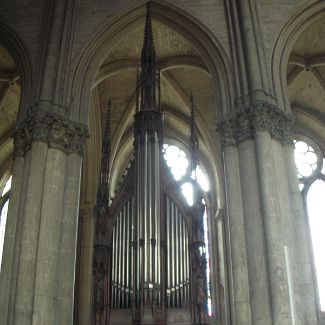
85, 293
254, 234
274, 234
30, 235
68, 245
305, 294
48, 255
238, 261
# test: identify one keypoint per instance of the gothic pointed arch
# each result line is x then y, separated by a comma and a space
291, 30
20, 54
211, 50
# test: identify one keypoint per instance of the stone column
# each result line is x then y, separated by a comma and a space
257, 133
69, 240
305, 295
274, 230
239, 291
51, 145
254, 233
27, 260
86, 256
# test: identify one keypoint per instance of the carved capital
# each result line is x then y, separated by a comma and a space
55, 130
20, 143
242, 124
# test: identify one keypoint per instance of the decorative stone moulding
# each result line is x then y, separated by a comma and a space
55, 130
242, 124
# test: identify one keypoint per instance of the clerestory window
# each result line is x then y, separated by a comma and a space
179, 165
4, 202
311, 172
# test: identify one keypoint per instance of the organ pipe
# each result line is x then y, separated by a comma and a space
125, 255
151, 240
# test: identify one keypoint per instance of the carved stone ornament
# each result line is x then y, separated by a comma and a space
57, 131
242, 124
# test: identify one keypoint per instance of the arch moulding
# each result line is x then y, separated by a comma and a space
287, 37
18, 50
211, 51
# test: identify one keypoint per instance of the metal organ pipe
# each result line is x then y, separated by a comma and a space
127, 260
150, 239
177, 256
113, 280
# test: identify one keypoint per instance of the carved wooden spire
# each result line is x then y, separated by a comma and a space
149, 77
102, 250
194, 140
199, 262
103, 189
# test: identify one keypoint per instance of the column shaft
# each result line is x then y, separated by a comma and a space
305, 294
48, 255
41, 203
241, 313
86, 255
69, 241
274, 231
24, 299
254, 234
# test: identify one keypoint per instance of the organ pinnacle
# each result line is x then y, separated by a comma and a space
149, 76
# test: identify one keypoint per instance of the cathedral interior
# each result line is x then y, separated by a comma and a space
162, 162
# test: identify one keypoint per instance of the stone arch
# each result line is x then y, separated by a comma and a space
19, 52
92, 58
94, 54
287, 37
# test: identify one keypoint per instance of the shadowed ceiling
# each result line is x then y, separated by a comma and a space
9, 101
306, 81
182, 72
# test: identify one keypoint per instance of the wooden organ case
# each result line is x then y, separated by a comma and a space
148, 265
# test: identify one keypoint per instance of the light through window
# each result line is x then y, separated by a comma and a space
176, 160
316, 214
311, 166
306, 159
3, 216
178, 163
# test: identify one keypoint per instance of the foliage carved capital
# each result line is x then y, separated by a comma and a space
55, 130
242, 124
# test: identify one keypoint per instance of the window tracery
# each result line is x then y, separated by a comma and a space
311, 173
4, 203
178, 163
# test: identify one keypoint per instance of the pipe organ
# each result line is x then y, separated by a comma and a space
178, 271
153, 242
122, 258
175, 272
